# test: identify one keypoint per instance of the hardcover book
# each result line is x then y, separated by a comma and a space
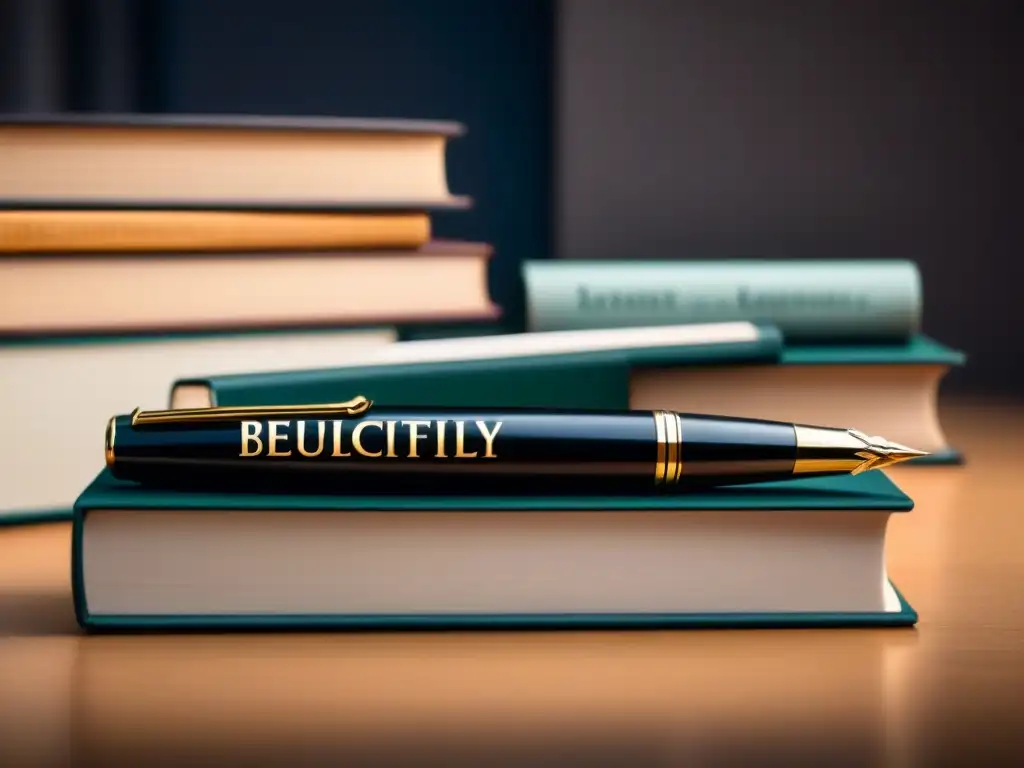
856, 301
114, 293
515, 369
737, 369
797, 553
98, 232
58, 394
224, 162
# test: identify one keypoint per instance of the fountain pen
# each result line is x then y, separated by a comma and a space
353, 446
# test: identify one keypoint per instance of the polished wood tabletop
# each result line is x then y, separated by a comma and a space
950, 691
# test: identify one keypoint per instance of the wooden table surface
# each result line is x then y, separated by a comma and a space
950, 691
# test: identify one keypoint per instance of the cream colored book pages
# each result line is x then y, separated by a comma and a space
407, 563
207, 166
219, 291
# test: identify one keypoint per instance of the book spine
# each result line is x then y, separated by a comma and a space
430, 331
196, 231
805, 300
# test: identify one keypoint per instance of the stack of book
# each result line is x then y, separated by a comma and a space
134, 250
826, 344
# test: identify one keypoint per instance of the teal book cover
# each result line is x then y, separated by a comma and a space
807, 300
918, 350
863, 494
587, 380
590, 380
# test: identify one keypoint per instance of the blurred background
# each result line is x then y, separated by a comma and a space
597, 129
624, 129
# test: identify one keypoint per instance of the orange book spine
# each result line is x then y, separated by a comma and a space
197, 231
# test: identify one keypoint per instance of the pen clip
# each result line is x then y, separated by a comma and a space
354, 407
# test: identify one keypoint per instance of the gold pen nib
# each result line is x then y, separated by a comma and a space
879, 453
827, 450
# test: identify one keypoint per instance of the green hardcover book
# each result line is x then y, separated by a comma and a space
576, 369
887, 389
797, 553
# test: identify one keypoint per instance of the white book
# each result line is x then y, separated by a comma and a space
56, 397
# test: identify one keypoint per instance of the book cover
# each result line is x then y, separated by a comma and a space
584, 370
239, 122
918, 350
868, 492
849, 300
485, 381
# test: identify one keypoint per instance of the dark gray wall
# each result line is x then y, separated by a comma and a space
69, 55
31, 56
484, 63
716, 128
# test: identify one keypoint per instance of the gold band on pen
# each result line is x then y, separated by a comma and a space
668, 430
659, 463
108, 442
679, 447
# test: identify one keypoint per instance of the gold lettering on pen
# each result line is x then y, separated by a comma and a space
489, 436
275, 438
336, 435
391, 440
460, 442
357, 437
301, 440
440, 440
274, 435
415, 435
251, 435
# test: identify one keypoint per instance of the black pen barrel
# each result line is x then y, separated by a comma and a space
397, 449
740, 450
